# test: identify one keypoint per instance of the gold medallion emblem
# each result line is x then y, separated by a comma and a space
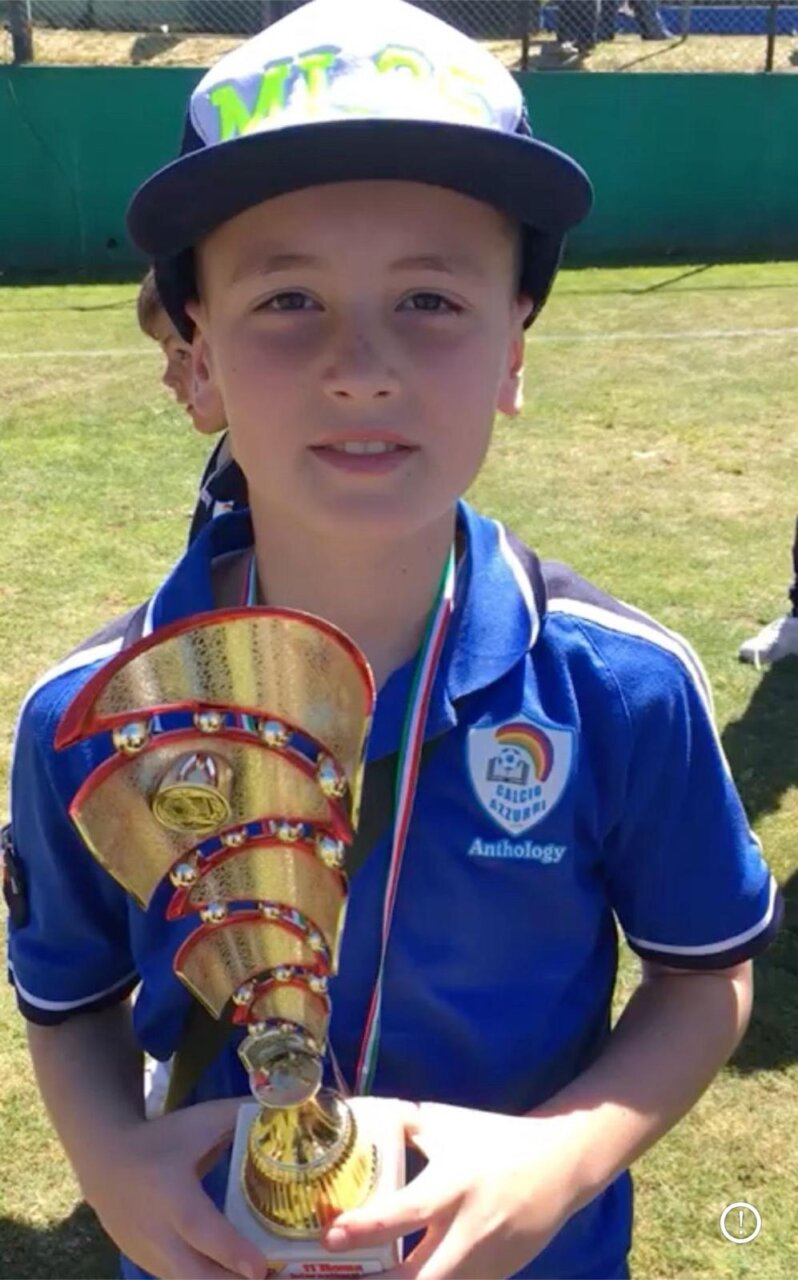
192, 795
182, 808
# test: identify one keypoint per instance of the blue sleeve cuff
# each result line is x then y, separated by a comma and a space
724, 954
50, 1013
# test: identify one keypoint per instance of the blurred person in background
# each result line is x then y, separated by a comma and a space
649, 20
576, 30
645, 13
779, 639
222, 486
582, 24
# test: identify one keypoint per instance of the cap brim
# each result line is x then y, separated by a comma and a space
529, 180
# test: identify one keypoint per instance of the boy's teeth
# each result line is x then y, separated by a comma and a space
364, 446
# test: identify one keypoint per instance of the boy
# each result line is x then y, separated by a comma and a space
359, 228
222, 486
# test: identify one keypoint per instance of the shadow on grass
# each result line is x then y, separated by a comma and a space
665, 47
762, 747
75, 1249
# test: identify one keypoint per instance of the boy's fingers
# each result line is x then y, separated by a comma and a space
206, 1230
387, 1217
420, 1256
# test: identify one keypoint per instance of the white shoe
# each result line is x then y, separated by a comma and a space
777, 640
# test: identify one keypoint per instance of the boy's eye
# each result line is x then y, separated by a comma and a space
427, 300
289, 300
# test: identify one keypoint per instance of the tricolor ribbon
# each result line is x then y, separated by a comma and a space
407, 770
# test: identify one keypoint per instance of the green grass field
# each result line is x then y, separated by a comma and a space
658, 453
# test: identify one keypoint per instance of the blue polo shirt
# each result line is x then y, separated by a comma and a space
577, 782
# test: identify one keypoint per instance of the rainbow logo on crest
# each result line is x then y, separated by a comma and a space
520, 770
528, 738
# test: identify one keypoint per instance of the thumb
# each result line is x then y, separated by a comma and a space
210, 1127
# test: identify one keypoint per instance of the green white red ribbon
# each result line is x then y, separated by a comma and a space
407, 771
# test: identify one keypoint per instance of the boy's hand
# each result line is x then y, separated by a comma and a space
494, 1193
148, 1197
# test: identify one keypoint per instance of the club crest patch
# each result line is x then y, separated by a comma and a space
519, 771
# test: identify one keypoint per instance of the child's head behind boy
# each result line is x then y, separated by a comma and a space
346, 230
177, 376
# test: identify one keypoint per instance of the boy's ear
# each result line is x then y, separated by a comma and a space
203, 387
511, 391
196, 314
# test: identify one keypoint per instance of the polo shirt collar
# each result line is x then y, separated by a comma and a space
499, 605
188, 588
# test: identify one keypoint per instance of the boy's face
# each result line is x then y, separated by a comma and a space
178, 375
362, 336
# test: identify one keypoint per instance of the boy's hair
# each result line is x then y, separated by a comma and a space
148, 303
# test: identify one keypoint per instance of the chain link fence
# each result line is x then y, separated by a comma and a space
594, 35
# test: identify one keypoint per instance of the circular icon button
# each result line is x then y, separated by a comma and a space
740, 1222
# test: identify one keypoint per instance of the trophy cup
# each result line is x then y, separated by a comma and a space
239, 741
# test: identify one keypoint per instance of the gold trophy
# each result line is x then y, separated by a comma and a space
247, 801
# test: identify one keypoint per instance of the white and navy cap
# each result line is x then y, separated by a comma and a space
365, 89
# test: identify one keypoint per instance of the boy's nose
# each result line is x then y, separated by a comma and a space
359, 370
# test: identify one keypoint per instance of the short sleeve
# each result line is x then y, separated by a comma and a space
686, 875
68, 938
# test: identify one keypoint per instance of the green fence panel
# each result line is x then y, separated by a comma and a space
76, 143
685, 167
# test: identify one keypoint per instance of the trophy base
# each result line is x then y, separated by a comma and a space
291, 1257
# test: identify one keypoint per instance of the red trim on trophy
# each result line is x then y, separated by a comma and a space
78, 721
338, 821
234, 918
241, 1013
180, 903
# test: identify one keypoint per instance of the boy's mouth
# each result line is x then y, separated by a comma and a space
363, 446
369, 454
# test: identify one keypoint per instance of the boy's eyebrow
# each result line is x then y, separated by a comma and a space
272, 263
448, 264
